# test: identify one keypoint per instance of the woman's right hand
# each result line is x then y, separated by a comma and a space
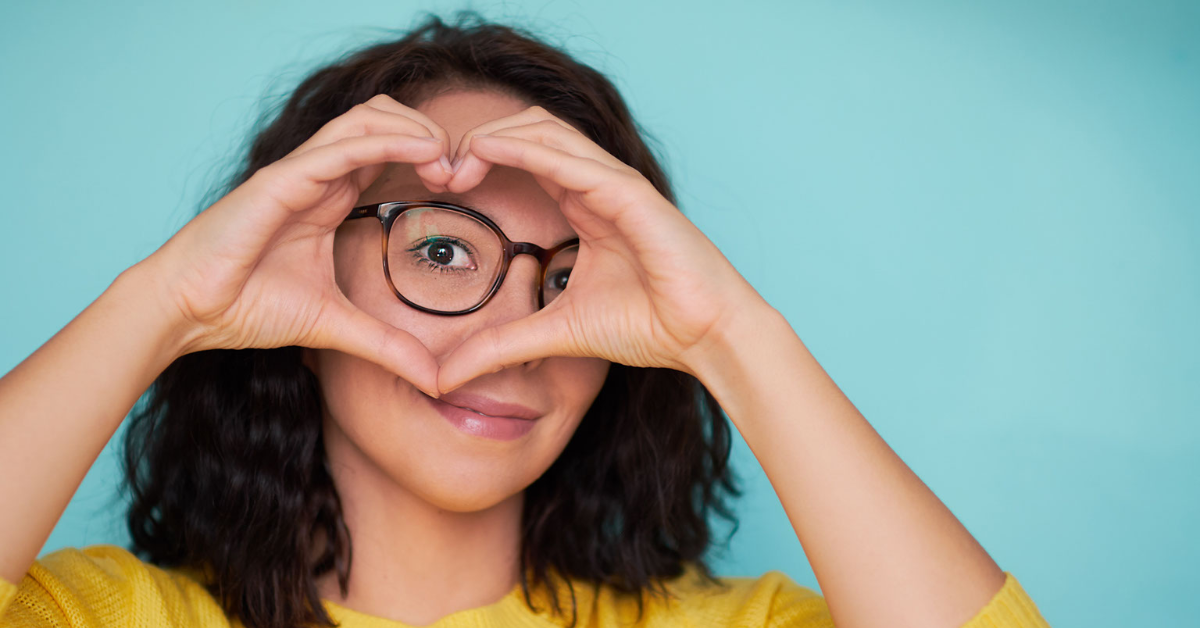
256, 268
253, 270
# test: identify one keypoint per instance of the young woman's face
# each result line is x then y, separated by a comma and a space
379, 427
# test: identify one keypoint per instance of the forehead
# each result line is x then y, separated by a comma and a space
458, 111
510, 197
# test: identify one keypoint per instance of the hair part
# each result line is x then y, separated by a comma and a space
227, 444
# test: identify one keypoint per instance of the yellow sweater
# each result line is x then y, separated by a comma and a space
105, 585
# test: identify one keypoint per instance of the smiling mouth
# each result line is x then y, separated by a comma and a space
489, 407
471, 420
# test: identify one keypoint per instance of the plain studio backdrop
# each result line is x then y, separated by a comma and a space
982, 218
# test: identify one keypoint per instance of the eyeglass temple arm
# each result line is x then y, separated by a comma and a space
365, 211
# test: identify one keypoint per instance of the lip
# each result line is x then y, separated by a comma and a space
488, 418
488, 406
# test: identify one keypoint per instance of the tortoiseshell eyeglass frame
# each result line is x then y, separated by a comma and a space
388, 212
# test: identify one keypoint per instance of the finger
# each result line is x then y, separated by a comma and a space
606, 192
370, 119
563, 138
471, 169
359, 334
541, 334
300, 182
528, 116
433, 175
336, 160
364, 119
387, 103
476, 169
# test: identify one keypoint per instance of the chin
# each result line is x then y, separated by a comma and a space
472, 483
460, 471
424, 455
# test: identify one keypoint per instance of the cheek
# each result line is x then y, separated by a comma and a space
578, 380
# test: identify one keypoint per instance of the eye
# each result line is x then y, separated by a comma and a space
442, 253
558, 280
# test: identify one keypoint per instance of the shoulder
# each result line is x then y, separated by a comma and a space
772, 599
106, 585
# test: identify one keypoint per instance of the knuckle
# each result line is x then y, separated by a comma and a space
359, 113
632, 190
267, 175
270, 182
570, 127
464, 144
347, 122
633, 176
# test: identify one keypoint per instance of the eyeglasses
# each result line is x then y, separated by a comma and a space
450, 260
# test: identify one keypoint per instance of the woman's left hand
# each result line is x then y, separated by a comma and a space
648, 288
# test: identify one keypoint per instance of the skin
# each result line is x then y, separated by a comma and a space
435, 513
649, 289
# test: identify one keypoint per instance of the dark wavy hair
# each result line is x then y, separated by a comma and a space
226, 445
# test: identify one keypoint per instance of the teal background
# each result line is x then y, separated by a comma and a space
981, 217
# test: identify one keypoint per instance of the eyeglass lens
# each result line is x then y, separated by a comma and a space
447, 261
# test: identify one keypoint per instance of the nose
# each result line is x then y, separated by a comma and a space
518, 294
516, 298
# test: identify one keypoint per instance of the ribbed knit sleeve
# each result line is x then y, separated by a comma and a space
8, 591
101, 586
1011, 607
775, 600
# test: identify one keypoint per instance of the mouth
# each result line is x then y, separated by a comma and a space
484, 417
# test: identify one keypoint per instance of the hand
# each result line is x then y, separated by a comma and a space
256, 268
648, 288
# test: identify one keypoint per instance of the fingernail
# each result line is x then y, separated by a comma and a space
446, 164
454, 166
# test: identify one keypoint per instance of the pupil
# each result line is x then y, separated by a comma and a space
441, 253
559, 280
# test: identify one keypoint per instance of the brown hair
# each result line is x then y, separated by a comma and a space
227, 444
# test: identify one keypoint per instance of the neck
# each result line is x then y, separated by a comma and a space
414, 562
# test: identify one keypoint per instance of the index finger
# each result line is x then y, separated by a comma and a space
299, 182
529, 116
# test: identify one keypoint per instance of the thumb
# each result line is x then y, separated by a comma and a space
357, 333
542, 334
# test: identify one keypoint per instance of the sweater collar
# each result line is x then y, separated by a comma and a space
510, 610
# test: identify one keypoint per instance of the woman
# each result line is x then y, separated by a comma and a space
497, 448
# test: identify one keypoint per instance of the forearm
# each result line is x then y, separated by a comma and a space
61, 405
885, 550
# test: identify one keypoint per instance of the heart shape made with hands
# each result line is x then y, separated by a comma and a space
650, 289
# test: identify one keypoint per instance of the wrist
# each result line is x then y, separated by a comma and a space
142, 288
749, 362
744, 323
